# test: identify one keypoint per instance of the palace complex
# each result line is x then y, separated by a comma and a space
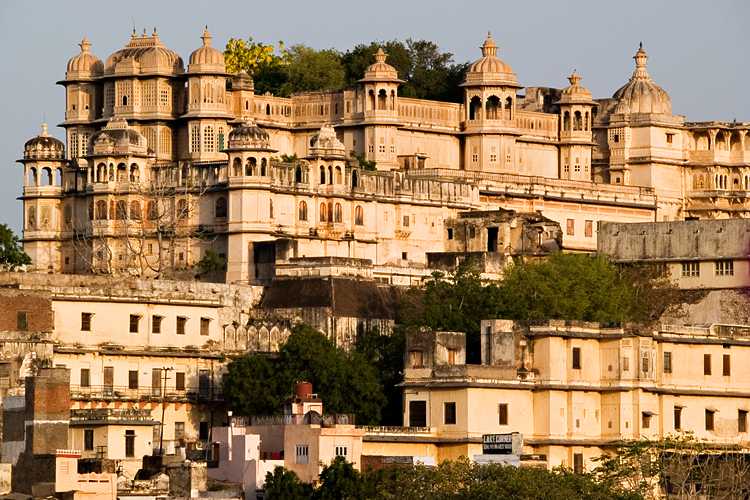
165, 162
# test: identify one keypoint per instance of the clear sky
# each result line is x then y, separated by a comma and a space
697, 49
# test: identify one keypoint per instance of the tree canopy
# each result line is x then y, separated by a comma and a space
428, 73
564, 286
257, 384
12, 256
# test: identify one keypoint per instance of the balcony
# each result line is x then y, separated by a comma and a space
200, 394
111, 416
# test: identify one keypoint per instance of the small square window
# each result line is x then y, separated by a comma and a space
690, 269
670, 138
645, 420
724, 268
404, 256
156, 324
181, 321
405, 221
22, 321
134, 322
449, 413
86, 322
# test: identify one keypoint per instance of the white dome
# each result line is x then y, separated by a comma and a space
490, 69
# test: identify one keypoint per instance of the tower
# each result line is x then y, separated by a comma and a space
576, 140
43, 165
207, 108
490, 111
379, 91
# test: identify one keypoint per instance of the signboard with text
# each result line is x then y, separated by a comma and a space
502, 444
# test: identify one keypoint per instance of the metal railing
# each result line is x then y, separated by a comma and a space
110, 414
107, 392
326, 420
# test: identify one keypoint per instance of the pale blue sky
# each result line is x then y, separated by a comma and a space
697, 49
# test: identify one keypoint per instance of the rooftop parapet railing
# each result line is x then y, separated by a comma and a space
718, 330
110, 414
310, 418
395, 429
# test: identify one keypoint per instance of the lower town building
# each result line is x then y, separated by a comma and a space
571, 389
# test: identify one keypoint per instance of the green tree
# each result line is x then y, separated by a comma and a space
346, 382
12, 255
311, 70
260, 61
385, 353
339, 480
283, 484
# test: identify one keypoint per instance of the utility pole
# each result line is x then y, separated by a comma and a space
164, 371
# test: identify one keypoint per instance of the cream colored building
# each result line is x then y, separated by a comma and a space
571, 389
165, 162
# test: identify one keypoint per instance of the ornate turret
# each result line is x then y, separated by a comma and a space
84, 65
641, 94
490, 69
206, 59
576, 115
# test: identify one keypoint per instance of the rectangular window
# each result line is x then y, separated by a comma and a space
179, 430
109, 380
88, 439
405, 221
724, 268
156, 376
133, 379
677, 418
645, 420
570, 228
450, 233
626, 364
709, 420
134, 320
644, 364
181, 320
706, 364
670, 138
85, 377
86, 322
205, 322
576, 358
179, 381
129, 444
451, 356
741, 420
417, 413
449, 413
415, 359
203, 430
578, 463
341, 451
588, 230
156, 324
502, 414
204, 383
667, 362
22, 321
302, 454
726, 368
691, 269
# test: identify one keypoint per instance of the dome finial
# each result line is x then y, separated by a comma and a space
44, 132
206, 37
574, 78
641, 58
85, 44
489, 48
380, 55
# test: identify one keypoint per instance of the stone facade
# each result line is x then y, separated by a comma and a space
165, 163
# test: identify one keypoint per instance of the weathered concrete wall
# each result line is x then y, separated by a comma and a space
678, 240
47, 411
715, 306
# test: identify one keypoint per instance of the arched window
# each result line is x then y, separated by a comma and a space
330, 174
237, 167
263, 163
509, 108
338, 213
339, 179
152, 212
135, 210
33, 180
249, 166
111, 173
268, 109
124, 100
101, 210
46, 176
58, 177
355, 179
134, 173
475, 108
298, 175
101, 173
577, 121
491, 108
586, 124
382, 99
323, 212
270, 209
322, 175
121, 210
359, 215
371, 99
91, 210
221, 207
122, 172
302, 211
393, 100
